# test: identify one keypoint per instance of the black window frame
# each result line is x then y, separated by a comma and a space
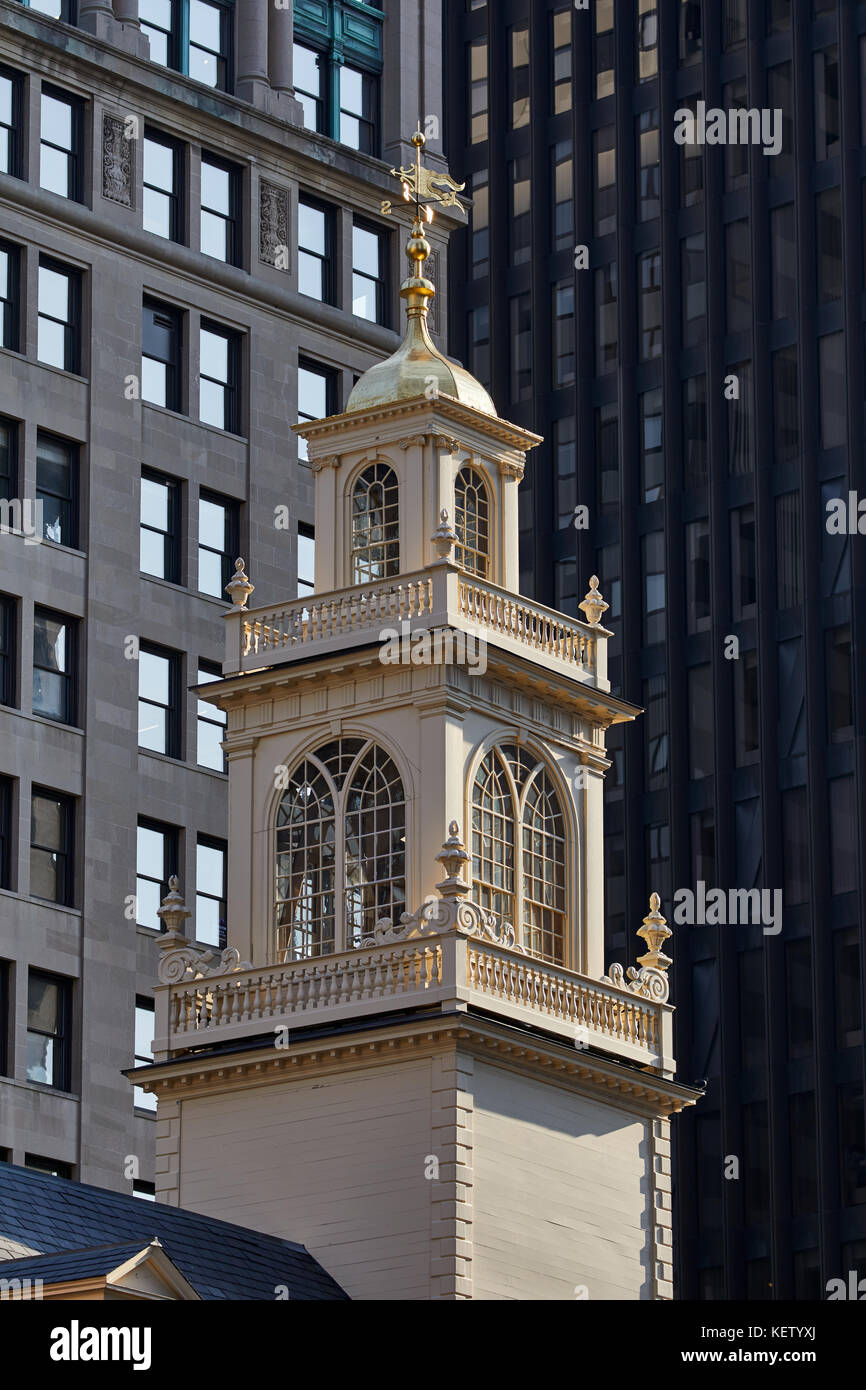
329, 279
171, 859
7, 805
174, 362
9, 473
62, 1061
170, 538
54, 1167
69, 676
308, 533
381, 281
231, 387
143, 1100
74, 155
70, 502
234, 218
72, 335
231, 507
176, 197
14, 161
329, 107
206, 713
65, 853
178, 42
214, 843
10, 329
173, 739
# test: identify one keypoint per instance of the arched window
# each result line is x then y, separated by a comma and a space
518, 849
472, 522
340, 849
375, 525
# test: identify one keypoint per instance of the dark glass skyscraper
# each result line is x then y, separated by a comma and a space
684, 323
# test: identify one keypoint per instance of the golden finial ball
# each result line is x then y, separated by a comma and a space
419, 138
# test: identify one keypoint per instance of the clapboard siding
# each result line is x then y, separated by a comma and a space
334, 1163
561, 1193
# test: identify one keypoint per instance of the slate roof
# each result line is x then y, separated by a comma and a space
221, 1261
72, 1264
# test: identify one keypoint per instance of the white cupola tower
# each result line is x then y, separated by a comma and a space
410, 1057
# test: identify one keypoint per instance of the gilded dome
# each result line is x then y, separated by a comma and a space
405, 375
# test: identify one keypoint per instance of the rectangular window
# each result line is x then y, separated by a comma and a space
49, 1032
604, 164
10, 296
315, 243
158, 701
218, 542
827, 130
852, 1144
207, 42
479, 342
210, 724
798, 970
518, 79
804, 1153
604, 51
52, 844
54, 661
306, 559
564, 470
480, 217
691, 41
735, 23
839, 683
565, 587
655, 700
652, 459
210, 891
220, 226
520, 221
156, 862
479, 99
369, 265
650, 304
159, 548
649, 176
700, 722
219, 377
7, 650
693, 273
746, 716
6, 804
606, 326
831, 390
698, 567
786, 403
564, 338
647, 39
309, 72
57, 489
795, 846
10, 122
735, 96
607, 498
562, 62
844, 835
739, 412
521, 347
144, 1030
61, 147
691, 162
144, 1191
359, 109
653, 564
695, 431
316, 397
780, 97
8, 460
562, 184
51, 1166
59, 326
783, 253
846, 976
739, 276
828, 238
160, 355
789, 551
703, 838
162, 186
743, 563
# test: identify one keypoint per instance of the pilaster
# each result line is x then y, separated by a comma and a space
451, 1203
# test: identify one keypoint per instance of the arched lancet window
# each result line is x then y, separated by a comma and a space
518, 849
375, 524
340, 849
472, 522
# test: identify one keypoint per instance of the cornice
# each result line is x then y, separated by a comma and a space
588, 1073
426, 413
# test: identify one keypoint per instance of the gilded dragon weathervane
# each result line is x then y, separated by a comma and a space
425, 185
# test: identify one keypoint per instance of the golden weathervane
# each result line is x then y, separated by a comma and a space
425, 185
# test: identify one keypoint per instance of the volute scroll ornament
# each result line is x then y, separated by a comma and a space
650, 981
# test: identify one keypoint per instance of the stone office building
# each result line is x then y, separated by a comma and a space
194, 257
